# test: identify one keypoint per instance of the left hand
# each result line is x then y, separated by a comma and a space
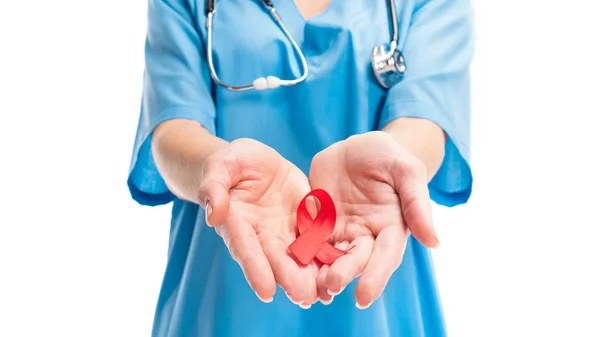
381, 196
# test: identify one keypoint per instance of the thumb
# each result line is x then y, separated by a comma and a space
213, 193
410, 182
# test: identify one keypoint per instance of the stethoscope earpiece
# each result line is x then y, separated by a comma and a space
271, 82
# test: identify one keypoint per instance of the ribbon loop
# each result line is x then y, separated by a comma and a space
313, 241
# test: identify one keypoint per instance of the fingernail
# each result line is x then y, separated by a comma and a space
361, 307
438, 244
334, 293
291, 300
326, 302
307, 306
207, 213
268, 300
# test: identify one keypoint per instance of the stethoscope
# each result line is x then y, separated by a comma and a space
388, 63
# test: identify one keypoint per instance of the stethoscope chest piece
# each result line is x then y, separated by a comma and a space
389, 67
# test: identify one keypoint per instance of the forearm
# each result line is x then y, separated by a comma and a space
179, 148
421, 137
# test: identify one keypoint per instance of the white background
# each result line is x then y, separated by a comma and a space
79, 258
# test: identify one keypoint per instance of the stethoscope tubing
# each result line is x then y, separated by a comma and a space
210, 13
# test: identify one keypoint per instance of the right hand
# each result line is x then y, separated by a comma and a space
250, 194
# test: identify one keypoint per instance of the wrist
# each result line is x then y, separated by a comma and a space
179, 148
186, 139
422, 138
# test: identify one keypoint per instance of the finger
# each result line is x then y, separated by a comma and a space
347, 267
322, 293
386, 258
213, 193
245, 249
410, 182
298, 282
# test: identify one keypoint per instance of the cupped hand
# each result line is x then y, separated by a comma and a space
381, 196
250, 194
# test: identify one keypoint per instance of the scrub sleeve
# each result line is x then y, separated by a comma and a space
438, 48
176, 85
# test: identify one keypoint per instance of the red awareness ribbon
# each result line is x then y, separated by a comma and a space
314, 234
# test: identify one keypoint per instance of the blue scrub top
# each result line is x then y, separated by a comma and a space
204, 292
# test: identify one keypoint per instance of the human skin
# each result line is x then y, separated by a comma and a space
250, 193
379, 183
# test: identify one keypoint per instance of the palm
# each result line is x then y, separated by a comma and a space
356, 172
354, 176
267, 200
260, 222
